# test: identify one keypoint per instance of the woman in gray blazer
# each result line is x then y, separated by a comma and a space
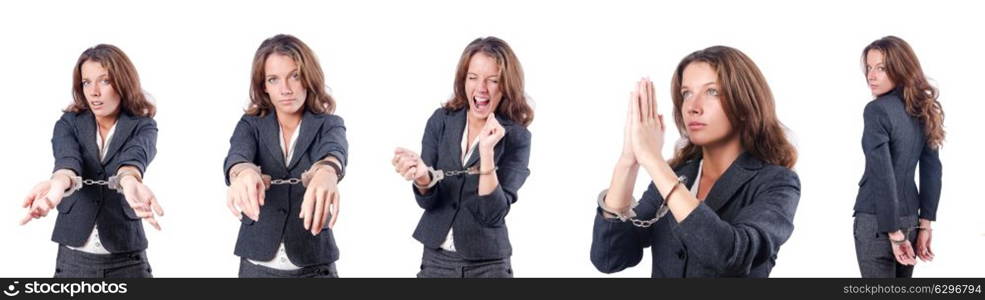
286, 157
723, 205
904, 127
473, 160
102, 144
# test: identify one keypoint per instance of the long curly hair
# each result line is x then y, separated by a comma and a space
919, 97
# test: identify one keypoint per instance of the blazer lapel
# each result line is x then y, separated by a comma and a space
270, 137
740, 172
455, 127
689, 170
87, 134
125, 125
310, 125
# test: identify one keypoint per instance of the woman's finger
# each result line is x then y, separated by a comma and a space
232, 207
316, 222
336, 198
261, 192
651, 97
153, 222
306, 207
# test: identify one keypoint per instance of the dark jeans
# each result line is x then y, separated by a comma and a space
875, 252
251, 270
440, 263
77, 264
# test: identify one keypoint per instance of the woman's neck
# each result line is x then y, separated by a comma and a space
107, 122
718, 157
289, 120
474, 123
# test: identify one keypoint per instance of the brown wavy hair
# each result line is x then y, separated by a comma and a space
515, 106
748, 104
123, 76
919, 97
317, 101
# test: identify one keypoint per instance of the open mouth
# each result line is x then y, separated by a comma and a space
96, 104
481, 103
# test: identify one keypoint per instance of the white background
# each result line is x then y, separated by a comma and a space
390, 64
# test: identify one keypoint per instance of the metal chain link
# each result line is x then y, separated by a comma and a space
95, 182
662, 211
113, 183
286, 181
469, 171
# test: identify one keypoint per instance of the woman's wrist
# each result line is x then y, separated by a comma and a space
627, 162
423, 181
924, 224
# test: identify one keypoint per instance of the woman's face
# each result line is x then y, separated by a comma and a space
98, 88
282, 83
482, 85
704, 116
875, 73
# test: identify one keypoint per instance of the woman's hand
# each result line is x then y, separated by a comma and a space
903, 252
410, 165
141, 200
490, 134
923, 241
647, 131
246, 194
627, 157
45, 196
320, 198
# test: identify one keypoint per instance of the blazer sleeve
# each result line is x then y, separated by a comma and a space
429, 154
930, 182
617, 245
141, 148
753, 236
879, 167
512, 172
333, 142
242, 146
65, 145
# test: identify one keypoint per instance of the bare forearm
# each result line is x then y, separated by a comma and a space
681, 203
64, 175
487, 180
621, 187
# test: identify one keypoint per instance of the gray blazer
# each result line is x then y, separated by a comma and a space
74, 146
479, 221
894, 143
736, 232
255, 140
